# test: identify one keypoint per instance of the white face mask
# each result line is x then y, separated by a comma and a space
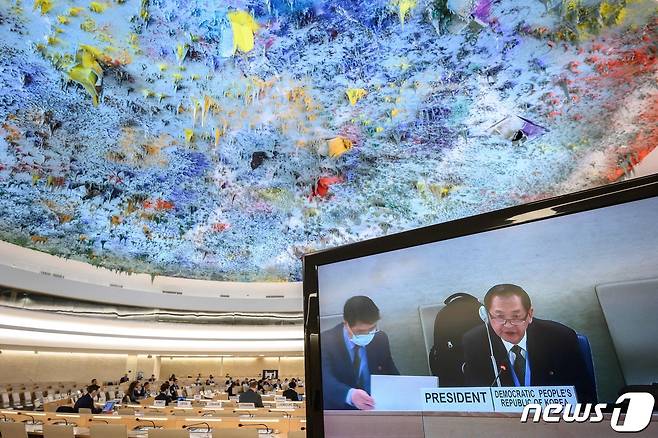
363, 340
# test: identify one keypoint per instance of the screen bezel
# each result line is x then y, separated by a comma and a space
599, 197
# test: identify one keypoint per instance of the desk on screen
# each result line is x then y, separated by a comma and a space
416, 424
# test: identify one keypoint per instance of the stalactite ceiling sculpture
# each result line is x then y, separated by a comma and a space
223, 139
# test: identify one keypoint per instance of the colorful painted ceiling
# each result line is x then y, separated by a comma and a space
223, 139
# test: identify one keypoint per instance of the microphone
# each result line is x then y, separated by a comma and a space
99, 420
248, 414
267, 428
285, 413
150, 421
484, 316
501, 368
62, 421
33, 420
186, 426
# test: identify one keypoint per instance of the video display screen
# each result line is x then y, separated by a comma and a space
563, 302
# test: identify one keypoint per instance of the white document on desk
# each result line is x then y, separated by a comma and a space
399, 393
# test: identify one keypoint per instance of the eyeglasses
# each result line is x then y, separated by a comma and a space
503, 321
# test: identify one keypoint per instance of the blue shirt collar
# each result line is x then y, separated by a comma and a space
348, 342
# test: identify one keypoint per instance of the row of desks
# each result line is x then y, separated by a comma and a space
134, 424
83, 432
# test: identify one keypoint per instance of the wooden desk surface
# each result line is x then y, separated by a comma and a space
281, 424
83, 432
374, 424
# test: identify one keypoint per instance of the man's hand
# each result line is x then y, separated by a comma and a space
361, 400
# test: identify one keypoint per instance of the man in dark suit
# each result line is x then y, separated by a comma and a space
290, 393
352, 352
528, 351
87, 400
251, 396
164, 394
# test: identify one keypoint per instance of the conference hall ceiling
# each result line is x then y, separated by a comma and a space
224, 139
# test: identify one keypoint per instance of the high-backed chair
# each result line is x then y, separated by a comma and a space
38, 398
4, 397
84, 411
297, 434
108, 431
13, 430
586, 351
27, 400
168, 433
57, 431
126, 411
235, 433
16, 400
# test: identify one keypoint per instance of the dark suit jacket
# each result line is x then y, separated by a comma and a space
251, 397
291, 394
555, 358
337, 370
164, 396
86, 402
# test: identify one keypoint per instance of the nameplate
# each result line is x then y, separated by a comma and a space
473, 399
197, 397
287, 406
246, 406
184, 404
159, 403
514, 399
214, 404
495, 399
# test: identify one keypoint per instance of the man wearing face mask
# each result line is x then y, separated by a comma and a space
352, 352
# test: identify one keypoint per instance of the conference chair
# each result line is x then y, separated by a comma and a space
5, 400
27, 400
16, 400
168, 433
297, 434
108, 431
235, 433
38, 398
84, 411
13, 430
586, 351
126, 411
57, 431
